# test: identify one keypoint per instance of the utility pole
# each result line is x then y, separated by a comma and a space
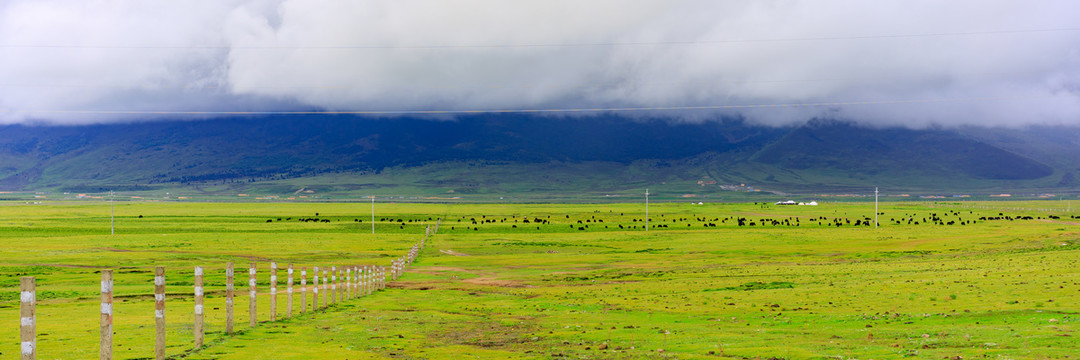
112, 214
646, 209
875, 208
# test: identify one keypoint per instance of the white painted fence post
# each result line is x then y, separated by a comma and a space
159, 312
289, 285
303, 289
253, 319
315, 289
199, 307
27, 321
273, 291
106, 314
229, 298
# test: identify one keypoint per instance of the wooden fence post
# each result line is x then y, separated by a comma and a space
315, 288
348, 283
333, 285
288, 307
229, 298
253, 319
273, 291
27, 322
325, 288
159, 312
303, 289
106, 314
340, 286
199, 307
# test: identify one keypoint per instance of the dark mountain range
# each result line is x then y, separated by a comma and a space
245, 153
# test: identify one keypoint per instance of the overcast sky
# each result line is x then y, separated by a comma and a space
943, 63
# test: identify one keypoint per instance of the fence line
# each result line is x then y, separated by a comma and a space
338, 285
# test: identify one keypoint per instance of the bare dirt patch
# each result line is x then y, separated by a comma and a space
492, 281
452, 252
426, 285
439, 270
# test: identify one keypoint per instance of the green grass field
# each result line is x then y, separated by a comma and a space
575, 281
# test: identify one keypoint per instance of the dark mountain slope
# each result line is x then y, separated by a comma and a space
254, 150
847, 148
263, 148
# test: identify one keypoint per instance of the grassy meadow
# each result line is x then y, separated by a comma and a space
997, 280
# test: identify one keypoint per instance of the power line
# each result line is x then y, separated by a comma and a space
551, 45
524, 111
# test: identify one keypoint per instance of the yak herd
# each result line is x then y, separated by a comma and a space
661, 221
400, 221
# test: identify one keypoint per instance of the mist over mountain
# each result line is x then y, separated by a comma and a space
913, 63
529, 154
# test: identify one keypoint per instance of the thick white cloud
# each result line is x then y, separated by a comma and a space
348, 55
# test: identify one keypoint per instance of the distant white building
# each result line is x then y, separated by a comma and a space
792, 202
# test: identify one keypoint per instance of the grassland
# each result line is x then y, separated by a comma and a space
570, 283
